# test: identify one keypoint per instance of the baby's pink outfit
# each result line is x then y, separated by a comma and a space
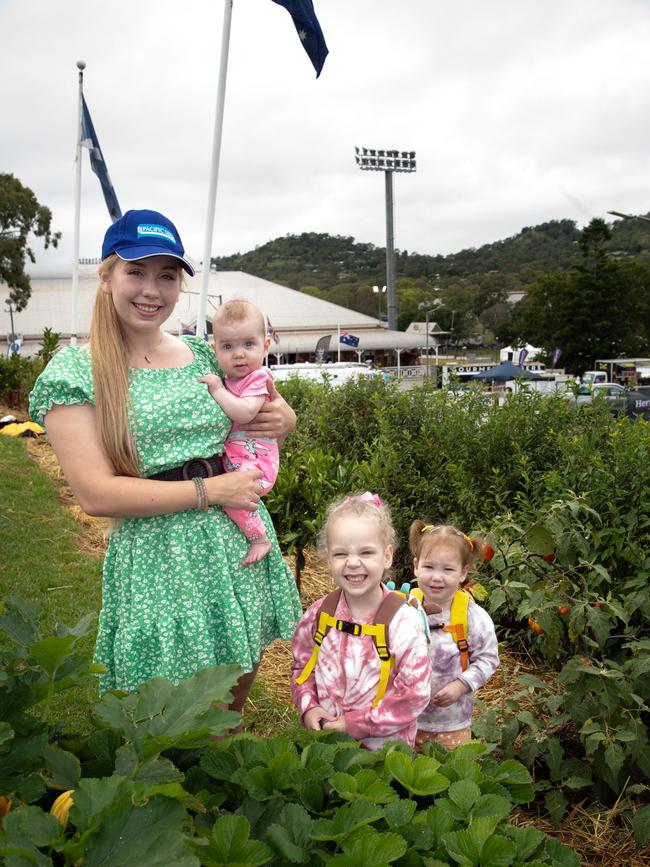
346, 676
244, 453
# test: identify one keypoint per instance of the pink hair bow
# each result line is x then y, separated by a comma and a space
367, 497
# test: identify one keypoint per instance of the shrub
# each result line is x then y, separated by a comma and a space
18, 374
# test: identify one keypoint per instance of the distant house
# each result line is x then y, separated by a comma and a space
515, 297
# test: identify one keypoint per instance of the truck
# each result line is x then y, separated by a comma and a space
624, 371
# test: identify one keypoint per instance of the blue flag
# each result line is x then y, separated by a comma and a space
97, 162
311, 36
349, 339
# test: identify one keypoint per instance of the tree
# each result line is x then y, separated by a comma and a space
20, 214
598, 309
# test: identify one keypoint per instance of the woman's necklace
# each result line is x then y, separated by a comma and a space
147, 356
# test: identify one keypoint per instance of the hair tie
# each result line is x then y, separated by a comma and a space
468, 540
429, 528
367, 497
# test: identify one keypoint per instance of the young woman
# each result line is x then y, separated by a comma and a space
140, 439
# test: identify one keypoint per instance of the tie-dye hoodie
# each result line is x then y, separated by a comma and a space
446, 666
346, 676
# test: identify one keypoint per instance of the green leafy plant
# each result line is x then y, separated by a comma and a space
151, 786
588, 728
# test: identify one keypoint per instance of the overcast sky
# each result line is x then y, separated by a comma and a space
520, 111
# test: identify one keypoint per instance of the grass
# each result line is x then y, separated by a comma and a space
43, 562
53, 556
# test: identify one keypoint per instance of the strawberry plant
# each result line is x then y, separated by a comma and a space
150, 786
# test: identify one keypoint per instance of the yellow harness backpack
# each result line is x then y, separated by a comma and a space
378, 630
326, 620
458, 625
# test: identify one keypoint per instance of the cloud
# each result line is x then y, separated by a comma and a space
519, 113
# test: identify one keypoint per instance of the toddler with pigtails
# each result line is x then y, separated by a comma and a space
463, 647
360, 656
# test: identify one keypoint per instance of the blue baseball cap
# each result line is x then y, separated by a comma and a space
139, 234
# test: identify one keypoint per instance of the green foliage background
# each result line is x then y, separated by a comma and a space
472, 283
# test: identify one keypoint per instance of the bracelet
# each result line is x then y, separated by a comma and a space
201, 493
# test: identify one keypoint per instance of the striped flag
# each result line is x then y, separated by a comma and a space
271, 332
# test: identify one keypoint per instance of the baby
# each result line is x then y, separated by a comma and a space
240, 344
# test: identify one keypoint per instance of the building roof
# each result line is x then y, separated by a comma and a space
299, 319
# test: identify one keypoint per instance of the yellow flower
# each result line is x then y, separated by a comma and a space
61, 807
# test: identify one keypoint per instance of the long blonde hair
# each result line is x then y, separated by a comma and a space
110, 365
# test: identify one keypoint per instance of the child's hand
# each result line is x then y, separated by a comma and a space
213, 382
336, 725
450, 693
316, 719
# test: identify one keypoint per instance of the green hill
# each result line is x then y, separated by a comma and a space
469, 282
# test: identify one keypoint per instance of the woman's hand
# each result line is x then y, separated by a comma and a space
240, 490
275, 420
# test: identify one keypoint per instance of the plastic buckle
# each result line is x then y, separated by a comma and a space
348, 626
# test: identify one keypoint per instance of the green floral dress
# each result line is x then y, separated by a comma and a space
175, 596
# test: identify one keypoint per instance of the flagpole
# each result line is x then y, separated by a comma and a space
338, 346
77, 211
214, 168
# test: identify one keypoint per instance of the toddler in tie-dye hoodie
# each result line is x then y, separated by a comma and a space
442, 558
357, 540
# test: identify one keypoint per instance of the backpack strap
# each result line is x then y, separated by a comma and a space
385, 613
458, 625
324, 620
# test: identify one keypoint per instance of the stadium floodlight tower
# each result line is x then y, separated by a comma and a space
373, 160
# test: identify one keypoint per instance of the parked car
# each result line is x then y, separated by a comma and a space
623, 401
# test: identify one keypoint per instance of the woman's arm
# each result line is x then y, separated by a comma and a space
72, 432
275, 420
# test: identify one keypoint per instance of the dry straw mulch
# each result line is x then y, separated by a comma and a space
600, 838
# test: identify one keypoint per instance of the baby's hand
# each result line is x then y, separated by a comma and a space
213, 382
450, 693
314, 719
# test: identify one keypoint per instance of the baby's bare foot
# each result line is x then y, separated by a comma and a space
256, 551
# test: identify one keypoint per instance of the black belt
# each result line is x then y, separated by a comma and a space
204, 468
